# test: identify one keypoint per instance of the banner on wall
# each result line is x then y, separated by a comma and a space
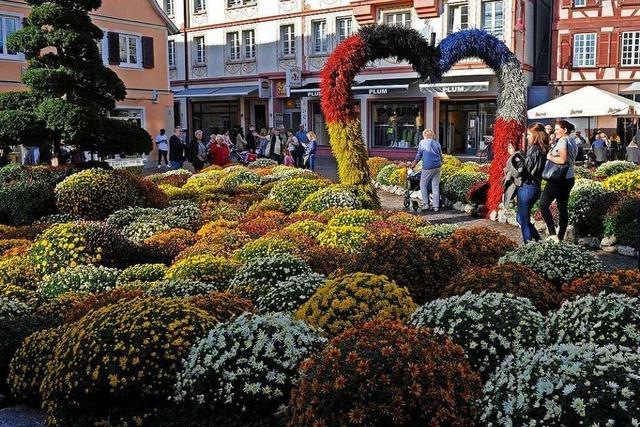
294, 76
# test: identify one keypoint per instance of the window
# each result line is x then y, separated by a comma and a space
132, 115
240, 3
584, 50
493, 18
319, 32
579, 3
8, 25
201, 53
233, 46
344, 28
130, 51
169, 7
103, 46
199, 6
458, 18
172, 53
249, 41
402, 19
287, 40
631, 48
397, 124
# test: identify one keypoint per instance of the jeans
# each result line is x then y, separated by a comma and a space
430, 179
312, 162
528, 195
176, 164
162, 154
558, 191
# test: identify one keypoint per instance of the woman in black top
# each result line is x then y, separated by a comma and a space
532, 166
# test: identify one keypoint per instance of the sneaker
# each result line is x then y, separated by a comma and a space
159, 166
425, 208
553, 238
436, 209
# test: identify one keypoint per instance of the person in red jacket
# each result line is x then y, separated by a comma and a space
219, 151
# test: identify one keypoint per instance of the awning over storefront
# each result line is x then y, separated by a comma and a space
367, 87
216, 92
455, 87
632, 88
588, 101
311, 90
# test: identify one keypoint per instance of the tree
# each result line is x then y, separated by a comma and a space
71, 91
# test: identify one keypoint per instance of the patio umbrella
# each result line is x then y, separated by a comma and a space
588, 101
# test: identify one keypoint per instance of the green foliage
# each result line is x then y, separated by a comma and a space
334, 196
83, 278
293, 192
457, 186
588, 204
621, 221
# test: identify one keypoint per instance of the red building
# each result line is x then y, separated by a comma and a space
598, 43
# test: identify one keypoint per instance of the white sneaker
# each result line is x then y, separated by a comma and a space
436, 209
159, 166
553, 238
425, 208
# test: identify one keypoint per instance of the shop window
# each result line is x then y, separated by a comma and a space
287, 41
397, 124
172, 53
133, 115
493, 18
401, 19
130, 51
631, 48
201, 51
458, 18
215, 117
584, 50
319, 32
9, 24
344, 28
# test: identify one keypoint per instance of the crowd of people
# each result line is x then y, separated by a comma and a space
600, 147
281, 145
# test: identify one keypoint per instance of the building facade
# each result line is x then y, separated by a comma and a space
134, 46
238, 63
598, 43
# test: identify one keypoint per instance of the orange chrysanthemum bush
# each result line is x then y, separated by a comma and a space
166, 245
326, 260
223, 306
481, 245
259, 227
81, 306
508, 278
407, 219
423, 272
306, 215
118, 365
350, 300
384, 373
267, 215
625, 282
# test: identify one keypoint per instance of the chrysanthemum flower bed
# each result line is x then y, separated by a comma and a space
215, 309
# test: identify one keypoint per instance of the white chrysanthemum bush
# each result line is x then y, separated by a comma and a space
288, 295
602, 319
245, 369
565, 385
488, 326
83, 278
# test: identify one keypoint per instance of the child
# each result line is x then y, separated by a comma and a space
288, 158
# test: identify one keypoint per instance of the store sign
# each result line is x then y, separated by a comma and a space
380, 90
282, 90
462, 87
264, 88
294, 76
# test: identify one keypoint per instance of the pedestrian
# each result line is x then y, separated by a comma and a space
275, 147
288, 158
251, 139
615, 145
599, 150
531, 166
241, 142
177, 149
226, 137
263, 141
310, 152
163, 148
198, 151
293, 146
430, 152
633, 152
581, 143
559, 174
303, 140
219, 151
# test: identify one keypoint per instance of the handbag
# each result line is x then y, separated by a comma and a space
554, 172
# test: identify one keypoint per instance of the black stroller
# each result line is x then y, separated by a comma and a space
412, 184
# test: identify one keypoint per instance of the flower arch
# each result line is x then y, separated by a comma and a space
382, 41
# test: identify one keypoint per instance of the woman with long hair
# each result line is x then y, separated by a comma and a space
562, 157
532, 165
310, 152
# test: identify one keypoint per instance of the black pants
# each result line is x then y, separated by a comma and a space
162, 154
558, 191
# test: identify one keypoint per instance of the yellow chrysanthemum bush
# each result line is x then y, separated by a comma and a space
627, 181
205, 268
143, 272
354, 299
17, 270
349, 238
117, 365
357, 217
292, 192
29, 365
8, 244
308, 226
264, 247
407, 219
333, 196
376, 164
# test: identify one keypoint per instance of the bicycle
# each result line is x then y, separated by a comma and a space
486, 155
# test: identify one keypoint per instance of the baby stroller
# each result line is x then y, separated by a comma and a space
412, 184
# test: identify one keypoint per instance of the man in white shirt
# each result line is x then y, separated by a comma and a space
163, 148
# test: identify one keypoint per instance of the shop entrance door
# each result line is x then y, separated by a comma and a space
260, 115
465, 126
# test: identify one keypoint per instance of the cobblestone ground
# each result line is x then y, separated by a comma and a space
450, 216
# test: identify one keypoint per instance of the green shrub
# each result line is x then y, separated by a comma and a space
127, 354
182, 288
457, 186
385, 174
212, 269
143, 272
16, 323
333, 196
293, 192
437, 231
588, 204
266, 246
61, 246
614, 167
621, 220
83, 278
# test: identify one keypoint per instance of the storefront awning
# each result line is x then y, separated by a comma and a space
216, 92
632, 88
311, 90
383, 86
455, 87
